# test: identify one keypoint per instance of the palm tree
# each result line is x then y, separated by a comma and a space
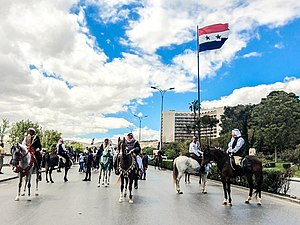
194, 107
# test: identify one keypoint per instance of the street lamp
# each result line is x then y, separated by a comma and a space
140, 119
162, 93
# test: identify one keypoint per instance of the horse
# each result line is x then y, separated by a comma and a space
51, 160
25, 164
126, 165
105, 166
252, 167
184, 165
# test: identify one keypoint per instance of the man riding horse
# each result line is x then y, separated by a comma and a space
132, 147
236, 147
61, 151
33, 144
195, 150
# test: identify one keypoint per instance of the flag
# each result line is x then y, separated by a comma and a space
213, 36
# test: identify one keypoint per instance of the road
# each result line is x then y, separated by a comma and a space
155, 202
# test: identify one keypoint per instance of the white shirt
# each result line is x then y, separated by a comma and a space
195, 148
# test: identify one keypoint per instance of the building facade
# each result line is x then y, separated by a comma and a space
175, 124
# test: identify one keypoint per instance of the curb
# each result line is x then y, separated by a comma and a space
294, 200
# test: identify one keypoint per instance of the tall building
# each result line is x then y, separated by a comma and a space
175, 123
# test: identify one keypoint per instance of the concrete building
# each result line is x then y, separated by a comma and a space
174, 124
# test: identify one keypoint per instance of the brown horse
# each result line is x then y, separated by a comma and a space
126, 165
252, 166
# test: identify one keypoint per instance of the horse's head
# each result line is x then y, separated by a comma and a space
122, 146
15, 153
207, 156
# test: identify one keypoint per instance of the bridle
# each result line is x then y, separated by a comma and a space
19, 157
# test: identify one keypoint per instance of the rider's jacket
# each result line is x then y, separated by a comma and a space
32, 142
133, 146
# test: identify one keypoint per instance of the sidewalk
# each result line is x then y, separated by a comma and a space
8, 174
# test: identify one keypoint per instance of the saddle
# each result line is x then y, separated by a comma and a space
240, 163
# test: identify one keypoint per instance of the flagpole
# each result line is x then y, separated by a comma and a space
198, 70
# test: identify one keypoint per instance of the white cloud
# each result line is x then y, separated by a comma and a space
279, 45
253, 95
252, 54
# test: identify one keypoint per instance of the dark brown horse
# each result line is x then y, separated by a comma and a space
252, 167
126, 166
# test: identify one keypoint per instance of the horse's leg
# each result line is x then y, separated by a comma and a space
103, 177
66, 173
250, 183
130, 200
126, 185
36, 182
122, 188
229, 192
180, 174
25, 186
108, 178
46, 172
258, 180
225, 191
203, 179
28, 178
19, 188
99, 178
50, 173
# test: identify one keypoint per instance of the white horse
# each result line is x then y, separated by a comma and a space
184, 165
105, 166
25, 164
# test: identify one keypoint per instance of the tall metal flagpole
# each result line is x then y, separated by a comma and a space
198, 69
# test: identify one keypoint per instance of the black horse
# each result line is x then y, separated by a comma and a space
252, 166
126, 165
50, 160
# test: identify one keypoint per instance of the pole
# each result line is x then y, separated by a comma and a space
140, 129
161, 111
162, 93
198, 70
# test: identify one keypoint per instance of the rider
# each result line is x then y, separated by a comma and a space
132, 146
61, 151
195, 150
236, 146
33, 144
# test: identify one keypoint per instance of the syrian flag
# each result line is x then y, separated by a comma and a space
213, 36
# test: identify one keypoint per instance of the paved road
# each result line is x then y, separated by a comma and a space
155, 203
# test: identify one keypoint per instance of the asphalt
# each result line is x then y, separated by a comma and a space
294, 191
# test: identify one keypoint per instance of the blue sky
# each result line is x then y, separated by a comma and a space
87, 66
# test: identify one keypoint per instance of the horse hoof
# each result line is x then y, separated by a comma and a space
23, 194
259, 203
66, 180
17, 199
224, 203
28, 199
98, 185
36, 194
102, 183
52, 181
120, 200
105, 185
247, 202
47, 181
229, 204
180, 192
130, 201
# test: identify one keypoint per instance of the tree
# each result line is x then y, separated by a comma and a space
208, 122
3, 128
194, 107
236, 117
49, 139
19, 130
277, 121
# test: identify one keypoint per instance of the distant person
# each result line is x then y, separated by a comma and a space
81, 163
145, 165
1, 156
61, 151
89, 164
236, 146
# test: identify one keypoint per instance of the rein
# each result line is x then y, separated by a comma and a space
23, 171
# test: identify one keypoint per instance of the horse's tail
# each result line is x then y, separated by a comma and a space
175, 171
118, 180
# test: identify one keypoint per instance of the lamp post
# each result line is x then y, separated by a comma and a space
140, 128
162, 93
